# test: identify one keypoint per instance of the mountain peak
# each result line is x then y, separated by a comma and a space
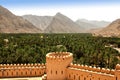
62, 24
59, 14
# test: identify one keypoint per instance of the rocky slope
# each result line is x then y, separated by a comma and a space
62, 24
54, 24
39, 21
90, 25
10, 23
111, 30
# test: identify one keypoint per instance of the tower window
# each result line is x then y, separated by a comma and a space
51, 71
61, 72
69, 76
74, 76
56, 72
79, 77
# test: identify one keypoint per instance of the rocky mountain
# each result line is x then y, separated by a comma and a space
54, 24
39, 21
111, 30
10, 23
90, 25
62, 24
86, 26
95, 22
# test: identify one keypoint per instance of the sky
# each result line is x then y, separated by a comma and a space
107, 10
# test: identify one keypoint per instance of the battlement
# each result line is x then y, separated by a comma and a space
21, 65
22, 70
117, 67
93, 69
59, 66
59, 56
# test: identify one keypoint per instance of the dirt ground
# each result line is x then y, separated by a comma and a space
28, 78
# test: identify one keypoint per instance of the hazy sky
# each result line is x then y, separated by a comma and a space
108, 10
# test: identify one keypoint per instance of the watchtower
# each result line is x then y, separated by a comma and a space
56, 65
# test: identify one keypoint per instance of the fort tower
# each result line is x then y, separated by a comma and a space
56, 65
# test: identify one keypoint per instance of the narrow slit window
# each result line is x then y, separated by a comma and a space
51, 71
74, 76
16, 73
84, 78
56, 72
79, 77
35, 72
26, 73
61, 72
69, 76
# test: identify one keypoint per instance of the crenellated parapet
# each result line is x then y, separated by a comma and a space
93, 69
84, 72
117, 67
59, 56
59, 66
22, 65
22, 70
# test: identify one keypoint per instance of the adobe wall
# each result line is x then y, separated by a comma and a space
117, 72
58, 67
84, 74
56, 64
80, 72
21, 70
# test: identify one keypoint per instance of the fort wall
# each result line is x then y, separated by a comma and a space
80, 72
76, 71
59, 67
21, 70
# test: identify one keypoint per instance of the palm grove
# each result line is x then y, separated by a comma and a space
32, 48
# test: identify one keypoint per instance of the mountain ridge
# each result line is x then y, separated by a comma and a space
62, 24
10, 23
112, 30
